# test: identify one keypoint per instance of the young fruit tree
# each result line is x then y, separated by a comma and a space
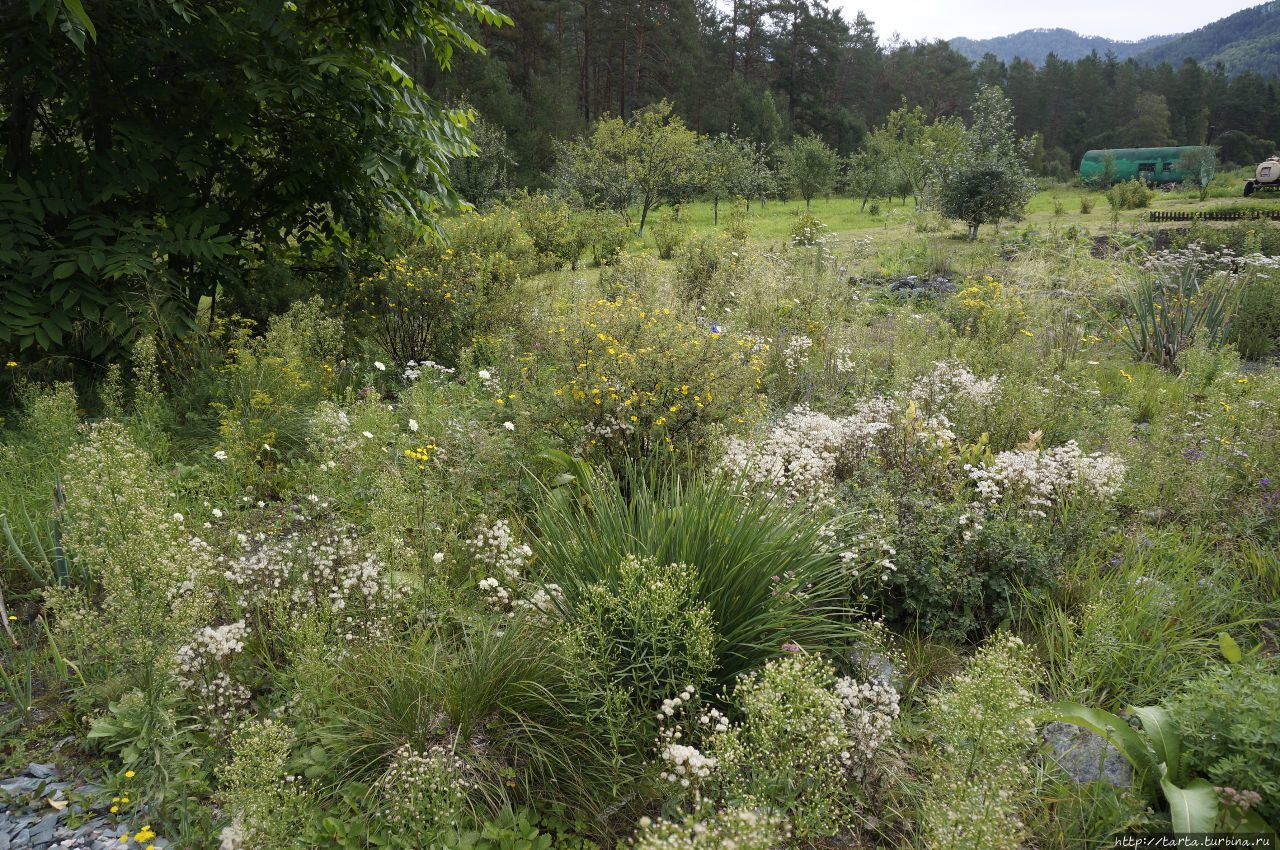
810, 167
988, 178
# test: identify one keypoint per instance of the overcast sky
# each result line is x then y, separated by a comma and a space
1118, 19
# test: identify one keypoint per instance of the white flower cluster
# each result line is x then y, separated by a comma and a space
870, 708
201, 670
802, 455
872, 547
796, 354
1043, 478
949, 381
685, 764
414, 369
423, 794
1196, 256
301, 573
497, 548
730, 829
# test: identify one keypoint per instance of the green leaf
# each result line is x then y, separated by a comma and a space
76, 9
1191, 809
1163, 734
1230, 649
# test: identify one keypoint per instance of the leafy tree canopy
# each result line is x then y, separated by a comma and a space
154, 151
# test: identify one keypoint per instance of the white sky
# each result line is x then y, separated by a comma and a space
1127, 20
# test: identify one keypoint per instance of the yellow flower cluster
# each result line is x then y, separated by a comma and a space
639, 377
422, 455
987, 309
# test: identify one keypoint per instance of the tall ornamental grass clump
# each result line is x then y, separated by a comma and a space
1166, 315
760, 568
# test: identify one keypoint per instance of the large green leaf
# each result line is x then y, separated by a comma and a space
1193, 808
1165, 739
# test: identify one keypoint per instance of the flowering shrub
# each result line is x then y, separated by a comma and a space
432, 303
265, 804
804, 734
805, 454
984, 733
987, 311
742, 828
637, 380
120, 530
422, 797
1038, 480
270, 384
332, 576
203, 669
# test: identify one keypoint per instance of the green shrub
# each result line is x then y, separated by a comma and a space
696, 266
643, 636
607, 233
956, 577
633, 381
668, 235
790, 751
1130, 195
1227, 719
430, 304
807, 230
269, 386
497, 233
1255, 329
1086, 204
984, 734
628, 276
760, 569
557, 234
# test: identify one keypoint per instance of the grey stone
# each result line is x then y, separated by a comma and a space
875, 665
1086, 756
4, 841
43, 771
19, 785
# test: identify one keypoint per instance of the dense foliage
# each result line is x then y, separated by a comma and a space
158, 153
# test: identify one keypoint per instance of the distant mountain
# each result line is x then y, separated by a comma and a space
1249, 40
1035, 45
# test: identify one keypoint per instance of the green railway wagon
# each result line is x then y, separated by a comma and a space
1155, 165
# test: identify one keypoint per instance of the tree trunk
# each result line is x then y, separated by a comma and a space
973, 232
715, 210
644, 213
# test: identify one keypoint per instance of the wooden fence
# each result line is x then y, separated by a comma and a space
1214, 215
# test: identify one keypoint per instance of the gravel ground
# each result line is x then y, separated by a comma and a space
30, 820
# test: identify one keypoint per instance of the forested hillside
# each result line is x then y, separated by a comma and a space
1035, 45
1248, 41
768, 72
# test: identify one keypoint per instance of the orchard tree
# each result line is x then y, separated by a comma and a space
810, 167
988, 177
662, 155
651, 160
733, 168
867, 173
153, 152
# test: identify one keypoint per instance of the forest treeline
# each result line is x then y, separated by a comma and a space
770, 70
